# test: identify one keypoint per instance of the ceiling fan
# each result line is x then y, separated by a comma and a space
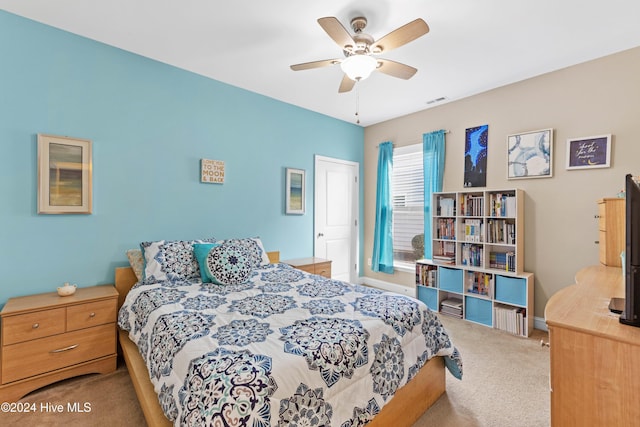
359, 50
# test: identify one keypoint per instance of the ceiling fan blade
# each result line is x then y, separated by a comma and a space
396, 69
346, 84
401, 36
336, 31
314, 64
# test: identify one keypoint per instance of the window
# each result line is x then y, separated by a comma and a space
407, 192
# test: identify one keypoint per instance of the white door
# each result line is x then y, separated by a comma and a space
336, 215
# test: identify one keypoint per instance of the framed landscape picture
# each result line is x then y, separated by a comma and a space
64, 175
295, 191
589, 153
530, 154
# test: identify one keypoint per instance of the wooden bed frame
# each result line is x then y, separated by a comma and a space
406, 406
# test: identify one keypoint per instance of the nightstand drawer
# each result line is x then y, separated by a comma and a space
308, 268
323, 269
35, 357
91, 314
29, 326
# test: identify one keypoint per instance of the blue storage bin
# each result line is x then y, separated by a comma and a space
450, 279
428, 296
511, 290
478, 310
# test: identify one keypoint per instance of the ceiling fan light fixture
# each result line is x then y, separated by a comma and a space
358, 67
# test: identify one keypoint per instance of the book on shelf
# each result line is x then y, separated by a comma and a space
501, 231
472, 205
480, 283
471, 255
473, 230
445, 228
510, 319
502, 205
446, 206
503, 261
426, 275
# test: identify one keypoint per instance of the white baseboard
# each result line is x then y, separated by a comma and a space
387, 286
538, 322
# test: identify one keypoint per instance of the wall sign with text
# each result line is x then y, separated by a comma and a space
212, 171
589, 152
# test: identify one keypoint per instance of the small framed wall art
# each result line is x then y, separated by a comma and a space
589, 153
295, 192
530, 154
212, 171
64, 175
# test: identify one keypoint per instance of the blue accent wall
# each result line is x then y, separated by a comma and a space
150, 124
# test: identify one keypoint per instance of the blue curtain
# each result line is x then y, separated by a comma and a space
433, 161
382, 259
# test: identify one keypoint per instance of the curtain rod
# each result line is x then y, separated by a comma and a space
417, 140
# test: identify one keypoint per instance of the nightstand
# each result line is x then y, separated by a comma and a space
48, 338
313, 265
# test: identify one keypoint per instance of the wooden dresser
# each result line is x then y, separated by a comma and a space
595, 360
313, 265
47, 338
611, 219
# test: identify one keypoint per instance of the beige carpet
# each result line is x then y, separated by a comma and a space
505, 383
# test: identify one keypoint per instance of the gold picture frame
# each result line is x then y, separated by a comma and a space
64, 175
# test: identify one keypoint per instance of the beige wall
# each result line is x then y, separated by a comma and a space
594, 98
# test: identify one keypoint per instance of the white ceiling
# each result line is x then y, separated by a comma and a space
473, 45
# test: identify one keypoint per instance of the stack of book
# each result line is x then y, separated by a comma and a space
451, 307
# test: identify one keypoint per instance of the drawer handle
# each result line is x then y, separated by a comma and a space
322, 272
60, 350
92, 314
35, 326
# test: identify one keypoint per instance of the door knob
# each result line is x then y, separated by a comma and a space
320, 235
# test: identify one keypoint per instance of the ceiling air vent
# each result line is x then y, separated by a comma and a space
433, 101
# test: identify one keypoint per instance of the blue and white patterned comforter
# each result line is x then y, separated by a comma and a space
285, 348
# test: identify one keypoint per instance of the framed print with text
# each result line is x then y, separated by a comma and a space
589, 153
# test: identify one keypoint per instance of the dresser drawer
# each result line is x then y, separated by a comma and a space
35, 357
29, 326
91, 314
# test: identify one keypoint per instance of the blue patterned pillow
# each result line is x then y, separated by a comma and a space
257, 255
201, 250
228, 264
170, 260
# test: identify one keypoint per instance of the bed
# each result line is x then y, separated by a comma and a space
276, 376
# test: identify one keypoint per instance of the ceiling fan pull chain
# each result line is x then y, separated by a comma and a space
357, 103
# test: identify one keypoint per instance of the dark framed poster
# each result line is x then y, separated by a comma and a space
475, 156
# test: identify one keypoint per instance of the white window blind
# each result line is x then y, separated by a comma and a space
407, 190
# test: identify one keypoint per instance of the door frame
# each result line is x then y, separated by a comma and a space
355, 211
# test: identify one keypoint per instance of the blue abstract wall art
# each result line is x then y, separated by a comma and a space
530, 154
475, 156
